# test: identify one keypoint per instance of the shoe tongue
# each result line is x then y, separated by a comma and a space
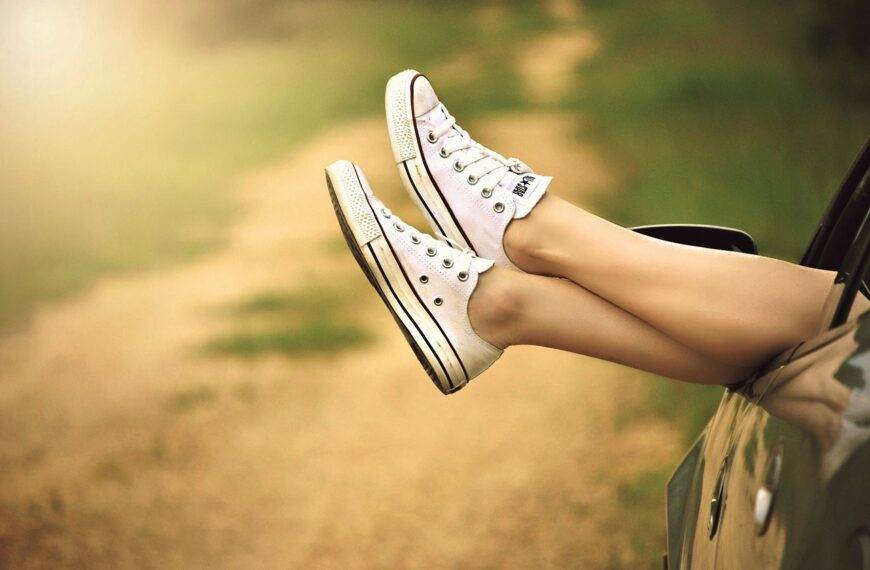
526, 190
479, 264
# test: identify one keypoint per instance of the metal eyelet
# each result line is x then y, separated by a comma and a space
458, 166
399, 227
424, 279
430, 251
442, 152
386, 212
498, 207
486, 192
462, 276
415, 239
472, 179
430, 136
438, 301
447, 262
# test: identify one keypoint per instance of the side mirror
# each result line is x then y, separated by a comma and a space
712, 237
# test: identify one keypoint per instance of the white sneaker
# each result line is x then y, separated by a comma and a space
424, 282
467, 192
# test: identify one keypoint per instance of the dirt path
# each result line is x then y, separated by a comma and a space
549, 67
349, 461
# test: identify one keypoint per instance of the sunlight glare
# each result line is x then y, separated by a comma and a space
41, 41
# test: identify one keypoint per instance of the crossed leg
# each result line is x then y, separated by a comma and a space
685, 312
511, 308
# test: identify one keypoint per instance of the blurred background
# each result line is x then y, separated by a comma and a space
192, 369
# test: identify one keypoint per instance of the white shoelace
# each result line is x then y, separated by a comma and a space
465, 257
482, 160
445, 248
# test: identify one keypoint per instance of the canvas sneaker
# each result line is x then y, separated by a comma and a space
466, 191
425, 282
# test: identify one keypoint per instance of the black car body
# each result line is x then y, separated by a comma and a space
758, 490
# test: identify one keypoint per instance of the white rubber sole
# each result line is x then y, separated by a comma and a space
405, 140
374, 253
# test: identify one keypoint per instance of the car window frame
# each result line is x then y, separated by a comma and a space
818, 253
850, 277
841, 243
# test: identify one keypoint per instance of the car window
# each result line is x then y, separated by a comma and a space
840, 244
848, 297
842, 218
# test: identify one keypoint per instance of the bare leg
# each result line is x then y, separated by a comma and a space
740, 309
510, 308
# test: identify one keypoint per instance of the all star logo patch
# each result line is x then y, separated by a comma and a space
523, 185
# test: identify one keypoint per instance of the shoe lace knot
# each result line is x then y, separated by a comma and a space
476, 158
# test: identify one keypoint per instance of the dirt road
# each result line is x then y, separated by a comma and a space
124, 445
347, 461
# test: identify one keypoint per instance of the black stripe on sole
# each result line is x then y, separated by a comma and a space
363, 264
417, 295
426, 165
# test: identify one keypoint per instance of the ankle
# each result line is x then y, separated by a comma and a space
496, 307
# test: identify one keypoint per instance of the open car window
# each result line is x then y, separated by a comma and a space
842, 218
850, 245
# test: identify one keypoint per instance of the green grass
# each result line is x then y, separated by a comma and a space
317, 336
124, 159
643, 498
715, 113
245, 392
290, 323
191, 398
305, 301
718, 113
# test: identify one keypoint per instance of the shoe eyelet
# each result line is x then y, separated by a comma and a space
415, 239
447, 262
442, 152
458, 166
486, 192
438, 301
430, 251
430, 136
472, 179
399, 227
424, 279
386, 213
498, 207
462, 276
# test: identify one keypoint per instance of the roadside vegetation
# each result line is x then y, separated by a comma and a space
741, 114
291, 323
119, 154
721, 113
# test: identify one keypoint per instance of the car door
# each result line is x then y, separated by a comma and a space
798, 488
694, 497
789, 502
